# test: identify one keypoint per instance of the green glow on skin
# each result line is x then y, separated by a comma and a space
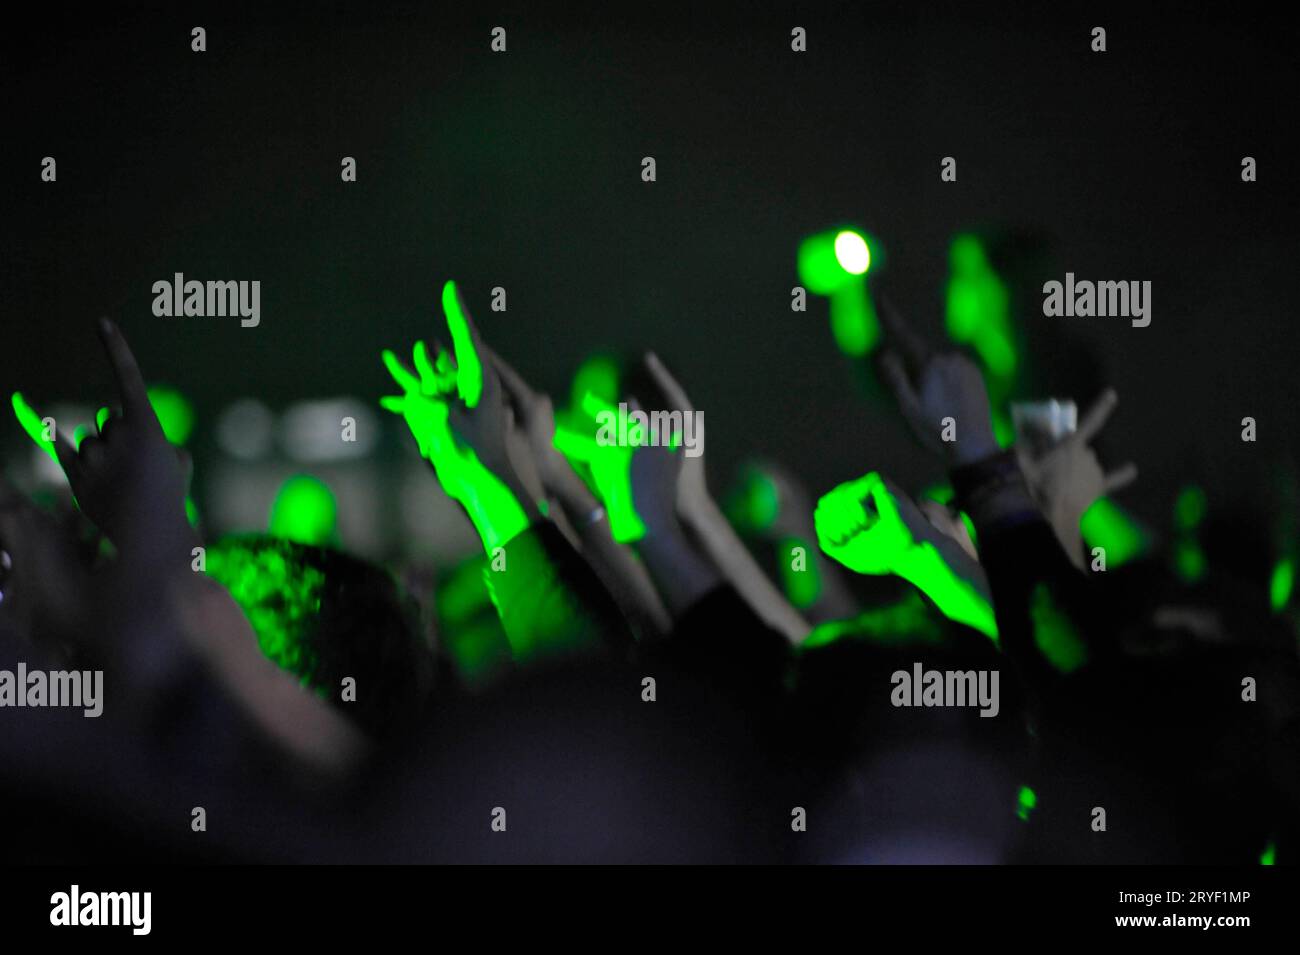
802, 587
495, 512
304, 512
859, 525
174, 411
866, 541
909, 621
437, 377
1279, 587
943, 493
279, 595
31, 423
978, 309
610, 469
598, 375
462, 594
478, 650
540, 621
1269, 855
1105, 524
925, 568
1189, 508
1025, 803
469, 371
469, 630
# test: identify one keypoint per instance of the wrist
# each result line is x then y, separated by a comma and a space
496, 513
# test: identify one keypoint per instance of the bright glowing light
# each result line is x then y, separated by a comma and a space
852, 253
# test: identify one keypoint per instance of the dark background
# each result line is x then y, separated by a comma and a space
523, 170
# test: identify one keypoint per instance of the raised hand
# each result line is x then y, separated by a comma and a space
873, 528
692, 490
126, 478
610, 466
463, 425
858, 524
717, 539
932, 386
534, 415
1068, 478
588, 521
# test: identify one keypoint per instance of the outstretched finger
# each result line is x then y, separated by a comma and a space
574, 445
130, 383
1120, 478
437, 376
910, 346
465, 343
32, 423
521, 393
428, 376
674, 392
1096, 416
404, 377
894, 371
69, 460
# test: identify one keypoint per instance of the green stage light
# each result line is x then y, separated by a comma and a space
852, 253
32, 424
830, 260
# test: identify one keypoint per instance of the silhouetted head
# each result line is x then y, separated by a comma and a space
327, 617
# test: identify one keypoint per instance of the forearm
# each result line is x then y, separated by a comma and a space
549, 600
958, 587
682, 573
721, 543
617, 566
625, 577
216, 631
1018, 551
